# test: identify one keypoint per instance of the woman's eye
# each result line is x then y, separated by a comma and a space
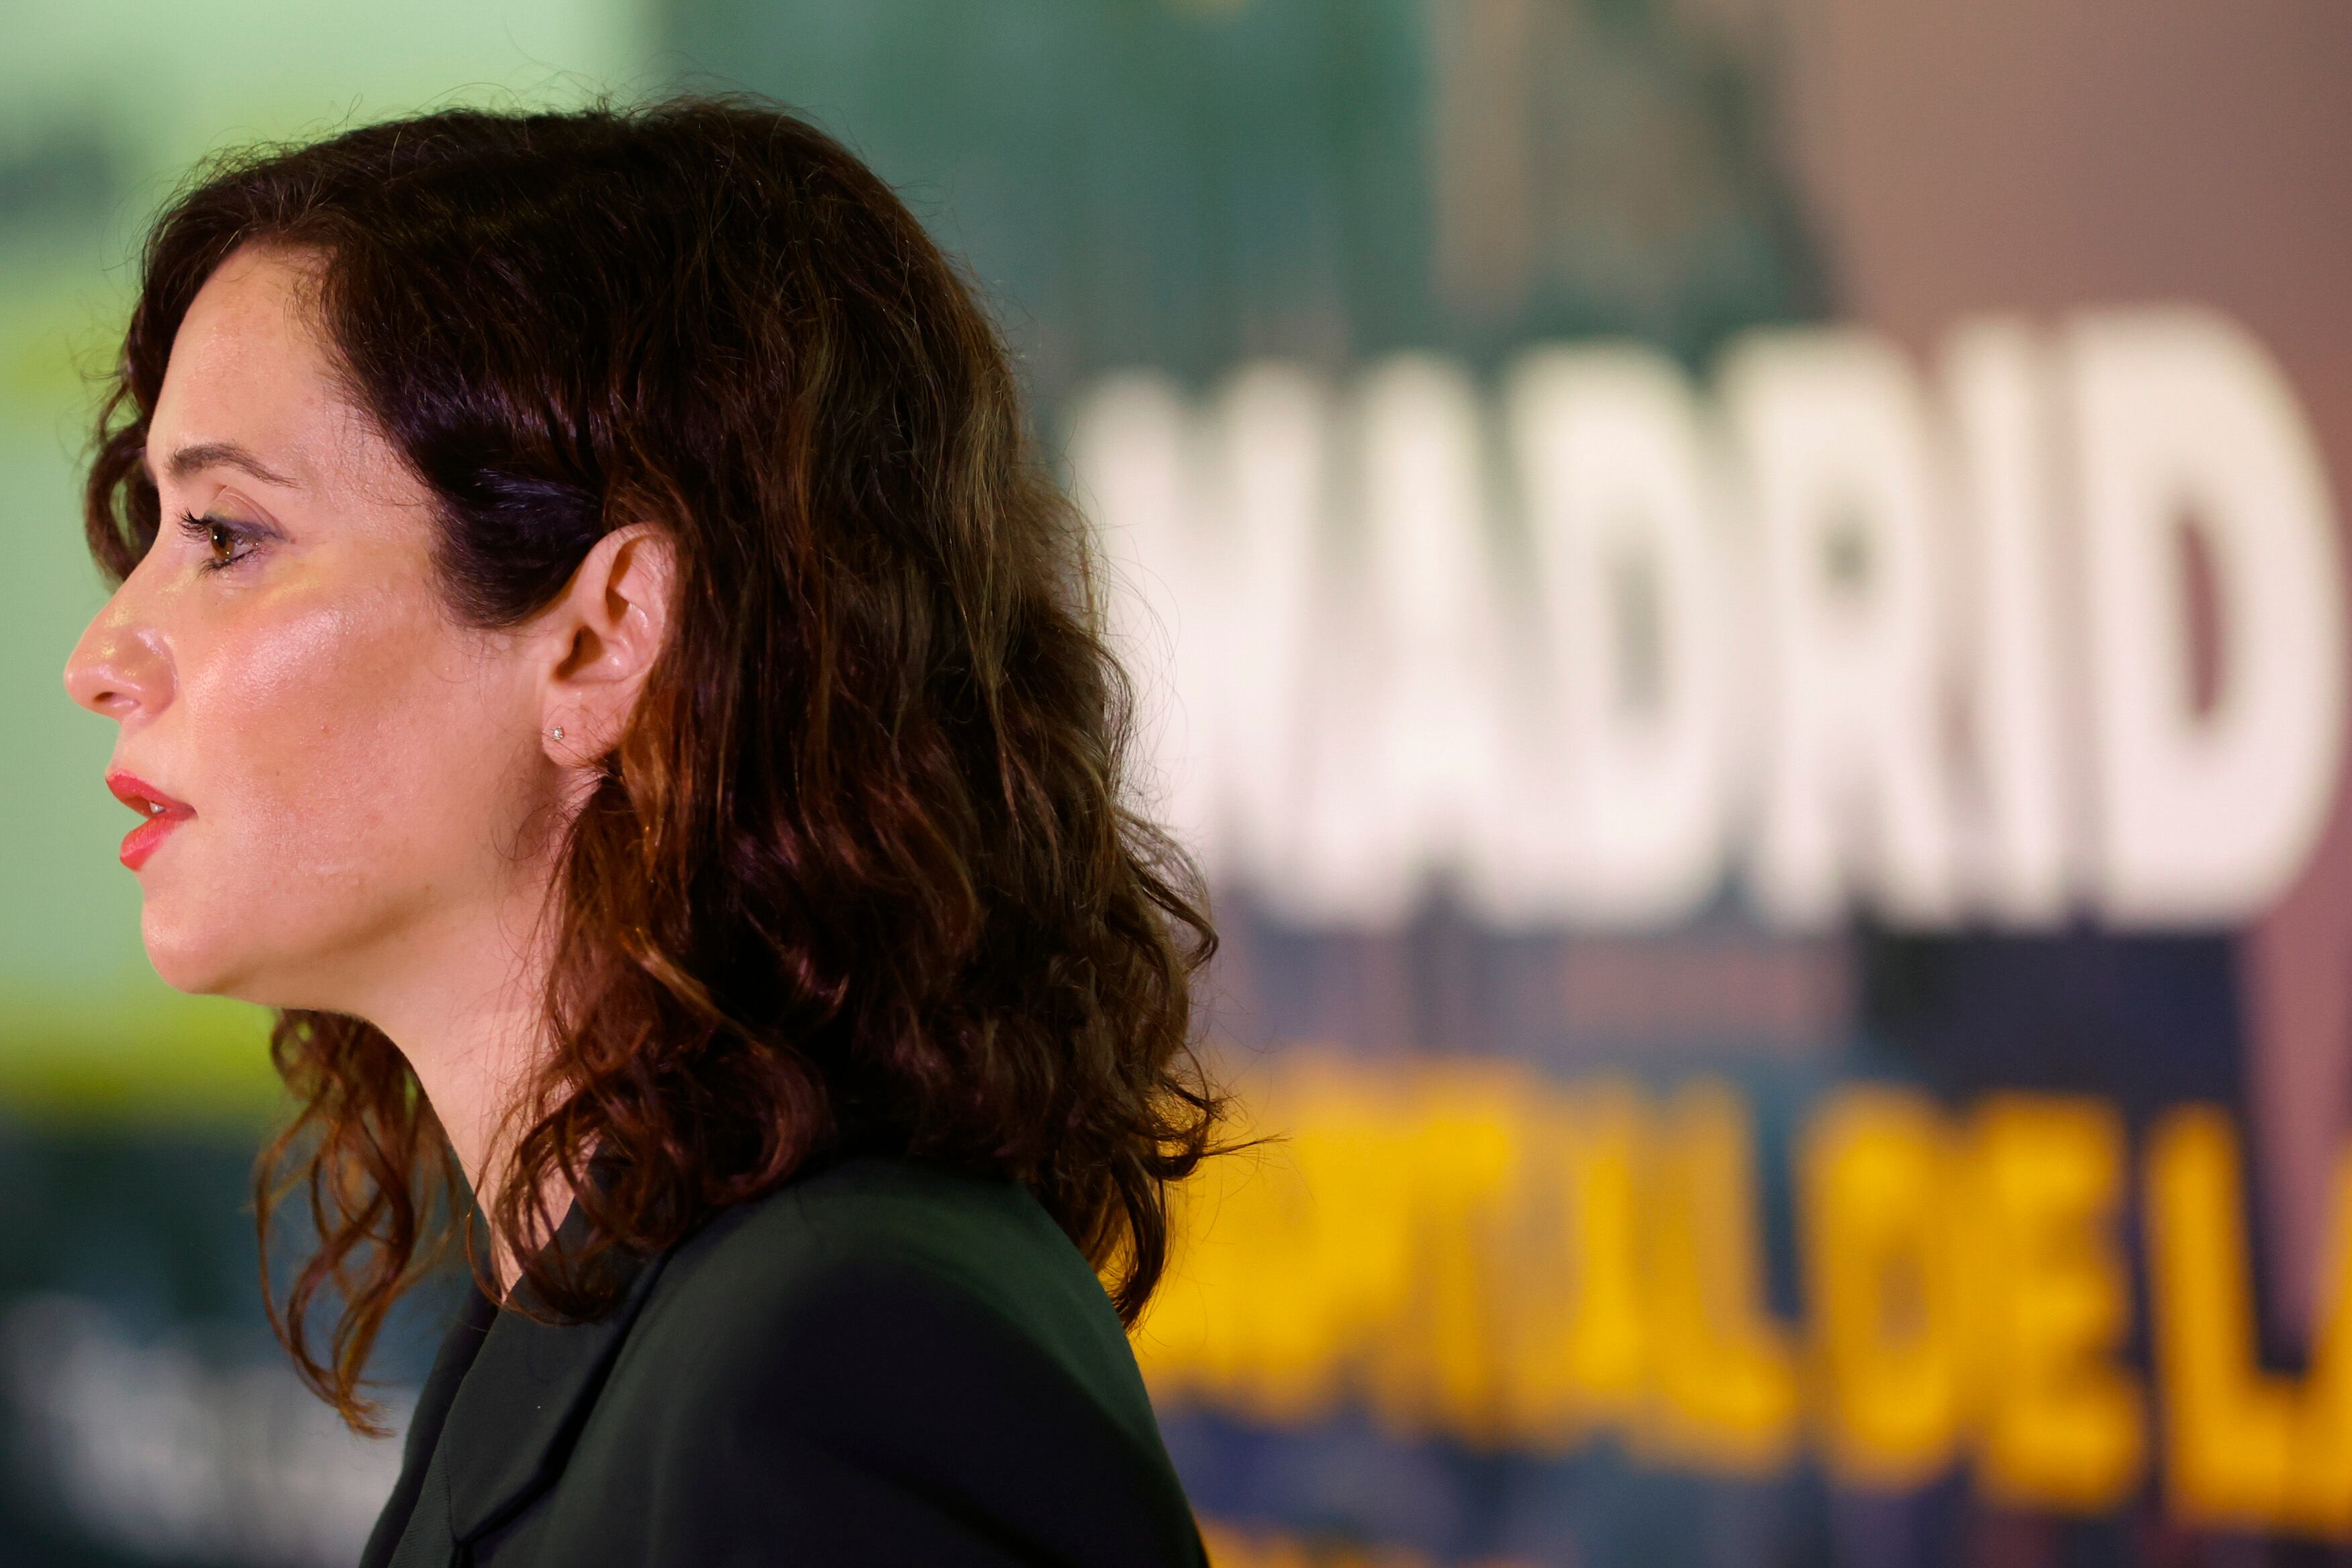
218, 535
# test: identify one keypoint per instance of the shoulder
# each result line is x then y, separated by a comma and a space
975, 1256
851, 1278
889, 1329
984, 1235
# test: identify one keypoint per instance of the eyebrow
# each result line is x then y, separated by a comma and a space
203, 455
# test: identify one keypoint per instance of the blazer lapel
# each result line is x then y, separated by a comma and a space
511, 1426
458, 1348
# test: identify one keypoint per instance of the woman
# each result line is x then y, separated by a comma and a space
596, 653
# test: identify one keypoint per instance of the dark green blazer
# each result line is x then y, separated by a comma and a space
882, 1363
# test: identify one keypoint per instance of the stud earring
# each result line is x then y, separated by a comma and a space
556, 733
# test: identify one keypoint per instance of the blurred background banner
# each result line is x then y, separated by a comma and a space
1746, 603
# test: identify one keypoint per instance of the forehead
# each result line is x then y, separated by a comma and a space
248, 370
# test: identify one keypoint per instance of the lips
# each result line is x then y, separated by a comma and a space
163, 814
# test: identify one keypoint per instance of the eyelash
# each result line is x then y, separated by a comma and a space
201, 528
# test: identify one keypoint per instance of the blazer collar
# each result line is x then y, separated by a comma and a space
511, 1426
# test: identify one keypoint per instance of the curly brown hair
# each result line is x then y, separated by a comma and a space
864, 871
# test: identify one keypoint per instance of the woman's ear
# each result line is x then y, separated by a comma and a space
605, 633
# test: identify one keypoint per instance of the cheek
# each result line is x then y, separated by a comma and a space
357, 761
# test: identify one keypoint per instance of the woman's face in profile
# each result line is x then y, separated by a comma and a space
356, 770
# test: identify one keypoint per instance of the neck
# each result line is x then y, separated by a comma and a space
473, 1028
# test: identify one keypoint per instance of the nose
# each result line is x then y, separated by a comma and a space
120, 666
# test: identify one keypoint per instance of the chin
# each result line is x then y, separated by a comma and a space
189, 957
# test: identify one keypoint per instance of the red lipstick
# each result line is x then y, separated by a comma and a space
162, 811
